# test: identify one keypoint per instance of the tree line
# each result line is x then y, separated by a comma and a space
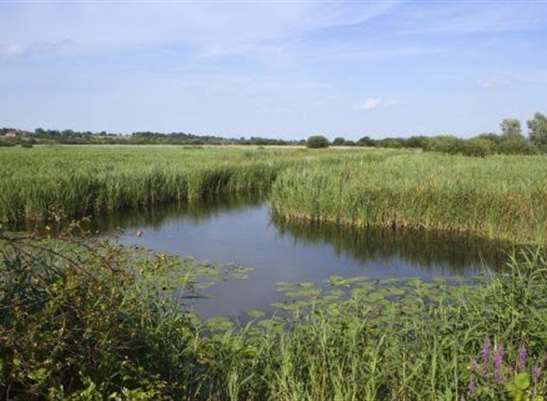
48, 136
510, 140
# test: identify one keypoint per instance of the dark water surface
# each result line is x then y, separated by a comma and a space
245, 233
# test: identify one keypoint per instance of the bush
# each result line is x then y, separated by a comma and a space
4, 143
391, 143
317, 142
366, 141
516, 146
27, 145
338, 141
476, 147
83, 320
444, 143
415, 142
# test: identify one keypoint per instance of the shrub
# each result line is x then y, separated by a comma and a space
516, 146
442, 143
476, 147
366, 141
78, 319
391, 143
4, 143
339, 141
415, 142
26, 145
317, 141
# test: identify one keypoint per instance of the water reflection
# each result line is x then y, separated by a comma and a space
245, 233
429, 249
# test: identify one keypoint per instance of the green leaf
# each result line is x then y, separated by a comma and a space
522, 381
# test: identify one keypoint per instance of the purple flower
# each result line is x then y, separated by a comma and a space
485, 353
475, 366
472, 386
498, 361
522, 357
536, 373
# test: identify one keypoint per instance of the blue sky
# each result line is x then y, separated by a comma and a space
284, 69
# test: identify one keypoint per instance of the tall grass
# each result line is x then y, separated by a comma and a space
76, 181
502, 197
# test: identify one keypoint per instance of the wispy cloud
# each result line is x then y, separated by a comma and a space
475, 17
528, 77
210, 28
34, 48
372, 103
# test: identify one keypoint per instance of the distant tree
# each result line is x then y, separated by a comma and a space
338, 141
366, 141
415, 142
538, 130
476, 147
490, 136
510, 129
317, 141
390, 143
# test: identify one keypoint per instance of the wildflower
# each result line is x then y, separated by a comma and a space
498, 361
472, 386
485, 353
522, 357
475, 366
536, 373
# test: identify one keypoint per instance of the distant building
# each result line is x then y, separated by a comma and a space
10, 134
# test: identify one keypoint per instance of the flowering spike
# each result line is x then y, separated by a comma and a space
522, 357
498, 361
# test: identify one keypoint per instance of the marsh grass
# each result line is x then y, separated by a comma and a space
499, 197
75, 181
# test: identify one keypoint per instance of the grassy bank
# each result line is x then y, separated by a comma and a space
500, 197
503, 197
98, 323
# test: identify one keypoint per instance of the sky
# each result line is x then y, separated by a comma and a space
285, 69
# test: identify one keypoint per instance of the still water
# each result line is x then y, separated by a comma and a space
245, 233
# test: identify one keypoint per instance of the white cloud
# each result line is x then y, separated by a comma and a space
520, 77
208, 28
495, 82
475, 17
38, 47
372, 103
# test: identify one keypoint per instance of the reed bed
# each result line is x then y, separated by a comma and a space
38, 183
501, 197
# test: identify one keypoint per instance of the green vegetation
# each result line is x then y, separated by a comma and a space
538, 130
317, 142
500, 197
97, 322
86, 321
510, 141
83, 180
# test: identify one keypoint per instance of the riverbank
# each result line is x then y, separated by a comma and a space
499, 197
94, 323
